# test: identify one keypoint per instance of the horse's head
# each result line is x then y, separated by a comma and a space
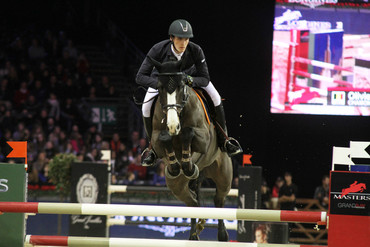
172, 92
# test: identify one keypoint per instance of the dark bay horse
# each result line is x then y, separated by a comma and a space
186, 141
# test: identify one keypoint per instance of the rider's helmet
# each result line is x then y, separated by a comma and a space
181, 28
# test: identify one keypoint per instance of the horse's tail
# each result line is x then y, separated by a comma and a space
196, 184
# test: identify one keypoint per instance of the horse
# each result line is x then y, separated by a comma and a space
187, 143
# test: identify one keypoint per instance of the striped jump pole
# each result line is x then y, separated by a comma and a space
130, 188
321, 64
321, 78
137, 242
164, 211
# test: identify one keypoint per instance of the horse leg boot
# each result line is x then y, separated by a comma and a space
190, 170
151, 157
173, 170
224, 142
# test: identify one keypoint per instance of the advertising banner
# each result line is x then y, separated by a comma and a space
13, 182
349, 193
89, 185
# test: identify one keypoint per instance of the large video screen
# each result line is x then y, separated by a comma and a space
321, 57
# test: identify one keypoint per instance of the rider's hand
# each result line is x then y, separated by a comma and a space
189, 80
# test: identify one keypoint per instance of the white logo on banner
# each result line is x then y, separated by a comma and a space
87, 189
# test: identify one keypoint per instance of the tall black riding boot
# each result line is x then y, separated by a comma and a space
151, 157
224, 142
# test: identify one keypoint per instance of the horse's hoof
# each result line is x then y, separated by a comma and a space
169, 175
195, 174
223, 235
194, 237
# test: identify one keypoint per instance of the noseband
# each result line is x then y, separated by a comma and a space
170, 88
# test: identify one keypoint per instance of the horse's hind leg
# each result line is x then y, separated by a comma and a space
221, 173
180, 189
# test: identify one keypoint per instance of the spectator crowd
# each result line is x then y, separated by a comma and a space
43, 78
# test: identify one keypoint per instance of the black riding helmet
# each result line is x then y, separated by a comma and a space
181, 28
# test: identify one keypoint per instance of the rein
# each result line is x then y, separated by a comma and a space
138, 102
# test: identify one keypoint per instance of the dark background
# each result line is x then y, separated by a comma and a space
236, 37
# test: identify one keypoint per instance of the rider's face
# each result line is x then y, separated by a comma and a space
180, 44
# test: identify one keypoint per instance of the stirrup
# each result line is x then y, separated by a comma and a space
150, 153
237, 145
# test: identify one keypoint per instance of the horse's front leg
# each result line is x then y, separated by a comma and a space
173, 170
190, 170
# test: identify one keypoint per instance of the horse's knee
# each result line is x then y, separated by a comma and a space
187, 135
165, 138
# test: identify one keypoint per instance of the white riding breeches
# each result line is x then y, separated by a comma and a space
151, 93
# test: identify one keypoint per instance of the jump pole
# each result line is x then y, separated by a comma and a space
321, 64
321, 78
129, 188
137, 242
164, 211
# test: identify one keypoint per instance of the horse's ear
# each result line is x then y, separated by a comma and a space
156, 64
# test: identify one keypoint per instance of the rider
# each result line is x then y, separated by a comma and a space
196, 71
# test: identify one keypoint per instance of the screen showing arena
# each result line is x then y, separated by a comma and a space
321, 57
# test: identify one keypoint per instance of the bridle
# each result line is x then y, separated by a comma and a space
170, 88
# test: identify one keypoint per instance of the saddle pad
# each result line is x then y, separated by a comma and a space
204, 108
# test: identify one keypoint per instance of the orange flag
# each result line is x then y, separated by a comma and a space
247, 159
19, 150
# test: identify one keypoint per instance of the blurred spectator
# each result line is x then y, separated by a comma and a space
61, 74
53, 106
4, 70
30, 79
13, 77
35, 51
92, 93
20, 133
68, 114
92, 155
69, 89
288, 193
64, 145
39, 92
76, 139
49, 149
69, 63
90, 134
130, 178
103, 87
54, 86
82, 66
37, 173
23, 71
322, 192
134, 141
142, 146
21, 95
7, 121
275, 192
265, 196
137, 168
6, 91
86, 86
115, 142
112, 93
98, 141
159, 178
72, 51
30, 110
